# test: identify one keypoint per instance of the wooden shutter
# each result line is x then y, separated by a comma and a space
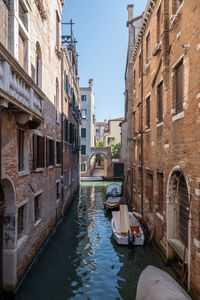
47, 152
179, 88
149, 190
148, 112
34, 152
160, 191
160, 102
20, 150
40, 154
183, 210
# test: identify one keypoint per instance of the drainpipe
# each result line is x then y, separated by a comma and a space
142, 148
62, 136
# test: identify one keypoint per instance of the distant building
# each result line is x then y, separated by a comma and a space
88, 126
99, 130
112, 131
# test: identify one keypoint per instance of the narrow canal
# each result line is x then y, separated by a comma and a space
82, 261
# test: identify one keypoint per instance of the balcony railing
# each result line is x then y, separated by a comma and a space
17, 89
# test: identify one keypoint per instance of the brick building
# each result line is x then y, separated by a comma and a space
163, 104
32, 198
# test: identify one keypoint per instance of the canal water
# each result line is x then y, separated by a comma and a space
82, 261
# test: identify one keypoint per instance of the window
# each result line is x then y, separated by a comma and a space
159, 25
37, 208
83, 167
148, 51
83, 132
20, 150
149, 190
179, 87
140, 65
139, 117
83, 149
148, 112
66, 130
134, 124
58, 190
58, 153
160, 103
111, 140
160, 191
21, 221
57, 30
66, 84
71, 133
83, 113
38, 151
83, 97
23, 15
50, 152
134, 80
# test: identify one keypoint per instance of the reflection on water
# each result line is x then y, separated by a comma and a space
82, 261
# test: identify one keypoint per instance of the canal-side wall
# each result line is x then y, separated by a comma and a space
166, 132
32, 180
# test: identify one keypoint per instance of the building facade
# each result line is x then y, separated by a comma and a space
31, 193
165, 136
99, 127
87, 128
112, 131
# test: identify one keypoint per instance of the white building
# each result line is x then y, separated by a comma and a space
88, 126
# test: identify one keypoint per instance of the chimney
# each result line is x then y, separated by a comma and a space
130, 11
90, 82
130, 25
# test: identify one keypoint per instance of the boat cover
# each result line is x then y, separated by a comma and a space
155, 284
113, 189
113, 199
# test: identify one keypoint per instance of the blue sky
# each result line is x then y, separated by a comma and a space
102, 35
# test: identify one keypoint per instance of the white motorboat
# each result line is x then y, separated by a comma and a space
126, 227
155, 284
112, 202
113, 190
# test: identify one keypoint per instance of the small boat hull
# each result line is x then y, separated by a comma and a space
112, 202
123, 239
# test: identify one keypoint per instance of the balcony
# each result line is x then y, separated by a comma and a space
18, 93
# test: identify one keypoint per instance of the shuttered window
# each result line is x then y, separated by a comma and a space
58, 152
148, 112
149, 190
20, 150
83, 132
38, 151
160, 102
140, 65
66, 130
83, 149
66, 84
179, 87
139, 118
71, 133
134, 80
148, 52
160, 191
134, 124
50, 152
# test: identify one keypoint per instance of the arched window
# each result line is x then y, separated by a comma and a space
38, 66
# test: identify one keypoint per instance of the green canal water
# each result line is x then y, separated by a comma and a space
82, 261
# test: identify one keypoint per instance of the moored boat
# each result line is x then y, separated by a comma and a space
155, 284
126, 227
112, 202
113, 190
